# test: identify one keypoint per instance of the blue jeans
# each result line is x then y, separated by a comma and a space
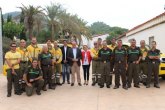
65, 72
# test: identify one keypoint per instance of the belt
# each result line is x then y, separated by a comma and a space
119, 62
105, 61
46, 65
132, 62
23, 61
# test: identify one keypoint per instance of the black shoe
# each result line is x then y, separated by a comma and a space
59, 84
68, 82
157, 86
8, 95
147, 86
101, 86
63, 82
137, 86
17, 93
52, 87
79, 84
44, 88
116, 87
129, 86
93, 84
38, 92
125, 87
108, 86
72, 84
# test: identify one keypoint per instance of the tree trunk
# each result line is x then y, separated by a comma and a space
52, 33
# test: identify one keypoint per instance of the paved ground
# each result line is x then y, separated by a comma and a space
86, 98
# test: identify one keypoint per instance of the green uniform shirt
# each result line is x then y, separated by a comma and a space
119, 54
105, 55
45, 58
156, 52
33, 73
133, 54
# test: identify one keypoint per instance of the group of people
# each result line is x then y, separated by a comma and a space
31, 67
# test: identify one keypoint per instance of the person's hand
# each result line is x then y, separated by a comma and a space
137, 62
29, 84
13, 71
31, 80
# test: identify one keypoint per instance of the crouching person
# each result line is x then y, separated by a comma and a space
34, 78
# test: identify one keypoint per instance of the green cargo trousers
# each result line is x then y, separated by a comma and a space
120, 70
38, 84
95, 71
133, 74
105, 73
11, 78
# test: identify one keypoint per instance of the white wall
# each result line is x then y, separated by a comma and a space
159, 36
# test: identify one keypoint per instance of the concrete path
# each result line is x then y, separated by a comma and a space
86, 98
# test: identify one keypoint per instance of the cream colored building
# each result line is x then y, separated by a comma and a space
153, 29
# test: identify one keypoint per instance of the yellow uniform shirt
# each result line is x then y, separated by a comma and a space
24, 54
94, 53
112, 47
12, 57
51, 50
57, 55
33, 51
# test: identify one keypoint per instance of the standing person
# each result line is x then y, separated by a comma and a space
12, 59
65, 62
23, 62
95, 64
120, 61
134, 57
86, 60
143, 66
105, 57
154, 61
34, 78
112, 47
74, 56
46, 64
33, 49
99, 41
57, 62
50, 47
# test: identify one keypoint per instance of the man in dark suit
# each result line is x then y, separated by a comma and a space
65, 62
74, 56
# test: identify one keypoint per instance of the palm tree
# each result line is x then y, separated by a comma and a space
53, 12
29, 13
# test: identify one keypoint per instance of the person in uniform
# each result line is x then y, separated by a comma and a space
112, 47
120, 61
34, 78
105, 57
99, 42
50, 47
154, 61
12, 59
23, 63
33, 49
143, 66
134, 57
95, 64
57, 62
65, 62
46, 64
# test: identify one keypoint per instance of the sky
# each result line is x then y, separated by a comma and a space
122, 13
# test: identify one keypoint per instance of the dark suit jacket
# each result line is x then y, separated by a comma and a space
71, 56
63, 54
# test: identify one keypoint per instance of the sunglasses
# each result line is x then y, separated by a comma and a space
95, 44
13, 46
